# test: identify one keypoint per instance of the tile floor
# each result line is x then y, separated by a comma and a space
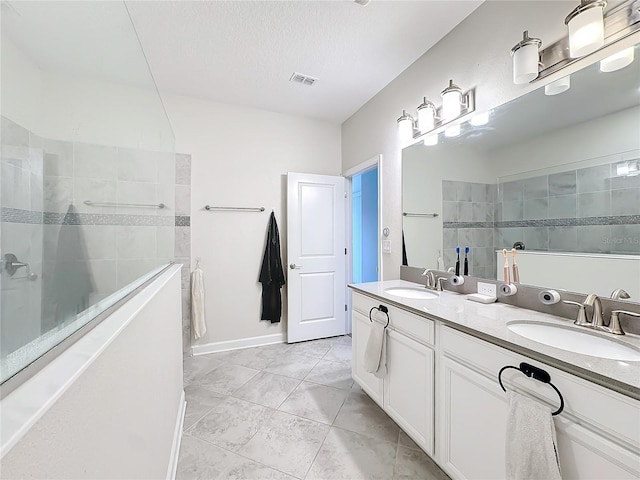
290, 411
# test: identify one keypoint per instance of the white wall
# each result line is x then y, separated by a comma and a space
604, 136
240, 157
117, 419
474, 54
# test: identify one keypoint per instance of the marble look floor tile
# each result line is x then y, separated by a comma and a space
198, 366
292, 365
357, 388
415, 464
267, 389
405, 440
360, 414
311, 348
315, 402
202, 460
257, 358
332, 374
286, 443
339, 353
351, 456
226, 378
231, 423
200, 401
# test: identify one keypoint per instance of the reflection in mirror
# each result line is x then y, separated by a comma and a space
560, 174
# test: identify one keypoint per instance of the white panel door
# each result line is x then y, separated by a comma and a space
316, 261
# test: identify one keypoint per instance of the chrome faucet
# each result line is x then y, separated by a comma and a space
597, 319
619, 293
431, 279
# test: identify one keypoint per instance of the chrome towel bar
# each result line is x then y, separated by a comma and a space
231, 209
128, 205
433, 215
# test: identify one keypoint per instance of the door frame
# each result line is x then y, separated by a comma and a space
371, 163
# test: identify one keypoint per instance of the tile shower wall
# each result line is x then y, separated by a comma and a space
468, 220
40, 178
585, 210
21, 195
183, 241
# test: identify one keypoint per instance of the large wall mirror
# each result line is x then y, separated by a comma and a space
560, 174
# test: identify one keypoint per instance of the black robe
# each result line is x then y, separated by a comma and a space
272, 275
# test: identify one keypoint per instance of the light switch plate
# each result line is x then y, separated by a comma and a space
488, 289
386, 246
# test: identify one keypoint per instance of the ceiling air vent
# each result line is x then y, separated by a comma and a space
303, 79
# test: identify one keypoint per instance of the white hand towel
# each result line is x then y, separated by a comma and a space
197, 304
532, 449
375, 349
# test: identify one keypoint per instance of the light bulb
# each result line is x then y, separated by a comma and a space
617, 60
480, 119
451, 101
405, 126
426, 116
452, 131
586, 28
559, 86
431, 140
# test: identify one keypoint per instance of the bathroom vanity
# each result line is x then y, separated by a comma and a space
443, 358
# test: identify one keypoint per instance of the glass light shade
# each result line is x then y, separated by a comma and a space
452, 131
431, 140
586, 32
525, 64
426, 118
559, 86
405, 129
480, 119
617, 60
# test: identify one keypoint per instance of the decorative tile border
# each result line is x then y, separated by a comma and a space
550, 222
14, 215
183, 221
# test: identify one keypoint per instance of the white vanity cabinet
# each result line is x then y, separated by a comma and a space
406, 393
598, 432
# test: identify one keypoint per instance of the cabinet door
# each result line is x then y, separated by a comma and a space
408, 388
472, 413
369, 382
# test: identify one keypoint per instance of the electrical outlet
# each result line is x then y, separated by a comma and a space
386, 246
488, 289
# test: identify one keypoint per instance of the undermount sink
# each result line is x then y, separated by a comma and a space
573, 339
408, 292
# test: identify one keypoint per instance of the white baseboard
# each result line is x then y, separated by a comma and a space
237, 344
177, 439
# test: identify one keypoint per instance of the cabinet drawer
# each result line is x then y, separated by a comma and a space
612, 415
414, 326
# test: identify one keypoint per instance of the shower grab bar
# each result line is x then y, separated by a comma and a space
433, 215
229, 209
132, 205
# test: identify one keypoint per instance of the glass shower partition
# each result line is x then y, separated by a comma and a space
87, 177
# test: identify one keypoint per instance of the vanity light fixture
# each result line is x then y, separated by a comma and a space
452, 101
526, 57
427, 116
586, 27
430, 118
559, 86
618, 60
406, 124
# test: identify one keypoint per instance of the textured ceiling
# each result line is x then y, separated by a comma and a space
243, 52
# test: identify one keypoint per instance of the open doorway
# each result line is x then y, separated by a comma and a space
364, 225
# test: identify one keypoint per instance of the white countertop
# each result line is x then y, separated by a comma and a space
489, 322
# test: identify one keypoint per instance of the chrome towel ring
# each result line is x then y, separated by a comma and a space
537, 374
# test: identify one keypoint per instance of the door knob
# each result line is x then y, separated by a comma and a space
293, 266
